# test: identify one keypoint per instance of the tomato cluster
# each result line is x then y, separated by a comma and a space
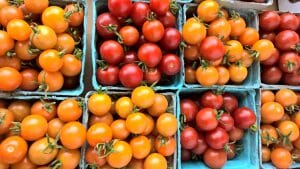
41, 134
283, 29
39, 45
213, 126
137, 131
138, 42
280, 119
225, 46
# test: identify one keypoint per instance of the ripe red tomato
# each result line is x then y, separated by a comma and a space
160, 7
212, 48
291, 78
130, 57
206, 119
130, 35
168, 20
230, 102
105, 20
201, 146
108, 76
226, 122
273, 59
153, 30
150, 54
288, 21
217, 138
271, 74
269, 20
189, 138
131, 75
211, 100
244, 117
112, 52
171, 39
152, 75
139, 13
236, 134
170, 64
289, 62
189, 108
210, 156
120, 8
285, 40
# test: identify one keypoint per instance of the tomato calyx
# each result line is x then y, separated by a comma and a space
174, 8
52, 145
151, 16
91, 166
292, 109
102, 64
105, 149
284, 138
15, 128
101, 90
296, 47
219, 114
162, 140
44, 86
290, 65
78, 53
47, 105
183, 121
2, 118
33, 51
269, 139
56, 164
77, 8
253, 53
253, 128
10, 53
16, 3
234, 15
75, 33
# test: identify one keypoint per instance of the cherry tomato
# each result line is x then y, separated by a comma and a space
130, 57
165, 146
170, 64
18, 29
121, 156
155, 160
190, 75
236, 134
43, 37
186, 155
211, 100
268, 134
54, 127
289, 62
288, 21
119, 130
207, 76
35, 123
208, 10
223, 75
15, 79
104, 21
271, 74
264, 47
212, 48
159, 106
99, 104
120, 8
54, 17
65, 43
273, 59
130, 35
220, 28
71, 65
189, 138
36, 7
9, 13
19, 108
99, 133
230, 102
23, 51
73, 135
7, 117
249, 36
166, 124
150, 54
77, 16
244, 117
130, 75
237, 73
7, 43
286, 97
168, 20
265, 154
193, 31
291, 78
201, 145
153, 30
160, 7
143, 97
191, 53
50, 60
286, 40
189, 108
112, 52
140, 146
136, 123
13, 149
226, 122
269, 20
238, 26
267, 96
206, 119
64, 156
289, 129
152, 75
69, 110
108, 76
171, 39
210, 156
24, 164
217, 138
44, 108
281, 158
271, 111
92, 157
234, 50
139, 13
54, 81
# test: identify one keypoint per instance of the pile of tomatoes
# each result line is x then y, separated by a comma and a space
280, 119
136, 131
138, 42
213, 126
39, 45
41, 134
283, 29
225, 46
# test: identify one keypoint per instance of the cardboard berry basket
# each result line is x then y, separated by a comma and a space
247, 5
171, 97
253, 79
172, 82
248, 157
83, 46
269, 165
56, 99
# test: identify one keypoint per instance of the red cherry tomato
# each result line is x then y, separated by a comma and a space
168, 20
206, 119
230, 102
189, 108
217, 138
171, 39
112, 52
244, 117
288, 21
189, 138
120, 8
131, 75
212, 48
211, 100
108, 76
104, 20
269, 20
150, 54
139, 13
160, 7
170, 64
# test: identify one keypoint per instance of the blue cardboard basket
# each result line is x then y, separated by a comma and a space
171, 97
253, 79
247, 5
65, 92
270, 165
249, 156
53, 98
101, 6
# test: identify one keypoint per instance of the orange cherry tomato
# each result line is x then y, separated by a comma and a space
223, 75
234, 50
71, 65
155, 160
53, 81
289, 129
271, 111
99, 104
136, 164
36, 123
124, 107
73, 135
193, 31
15, 79
166, 124
119, 130
140, 146
8, 13
150, 125
99, 133
220, 28
268, 134
281, 158
296, 118
159, 106
237, 73
246, 59
165, 146
24, 164
36, 7
23, 50
20, 110
50, 60
208, 10
18, 29
64, 156
143, 97
7, 43
69, 110
54, 127
267, 96
13, 149
121, 156
107, 119
130, 35
77, 16
249, 36
13, 62
264, 47
238, 25
136, 123
55, 18
286, 97
92, 158
44, 108
224, 13
43, 37
6, 119
65, 43
207, 76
